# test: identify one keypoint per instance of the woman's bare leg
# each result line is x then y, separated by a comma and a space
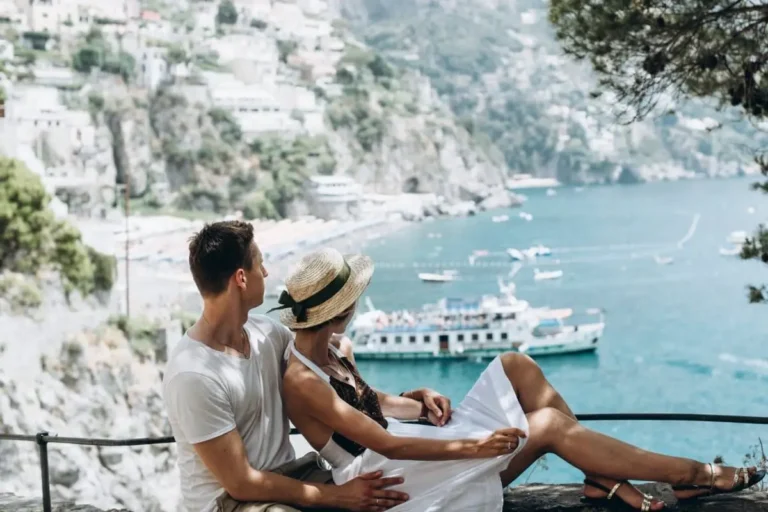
534, 392
551, 431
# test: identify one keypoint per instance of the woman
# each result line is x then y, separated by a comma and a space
510, 418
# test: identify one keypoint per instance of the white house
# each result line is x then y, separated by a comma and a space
151, 67
253, 58
333, 197
255, 109
45, 15
7, 52
55, 77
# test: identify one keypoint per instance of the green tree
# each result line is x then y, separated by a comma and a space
32, 239
227, 14
642, 49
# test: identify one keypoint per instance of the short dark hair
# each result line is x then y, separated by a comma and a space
217, 251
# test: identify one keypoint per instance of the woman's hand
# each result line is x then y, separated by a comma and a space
501, 442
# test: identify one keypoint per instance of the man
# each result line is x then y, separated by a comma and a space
222, 392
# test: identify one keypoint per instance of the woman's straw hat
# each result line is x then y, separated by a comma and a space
321, 286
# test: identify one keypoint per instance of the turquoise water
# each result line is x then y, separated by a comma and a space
679, 337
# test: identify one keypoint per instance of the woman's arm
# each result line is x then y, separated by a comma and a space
315, 398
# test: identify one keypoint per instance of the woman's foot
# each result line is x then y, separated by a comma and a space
722, 479
595, 488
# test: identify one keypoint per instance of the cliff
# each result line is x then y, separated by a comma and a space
506, 78
525, 498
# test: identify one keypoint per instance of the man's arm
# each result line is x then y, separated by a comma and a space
226, 458
202, 413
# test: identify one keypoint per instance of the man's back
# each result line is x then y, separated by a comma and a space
208, 393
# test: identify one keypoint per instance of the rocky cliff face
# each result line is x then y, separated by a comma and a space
505, 77
95, 387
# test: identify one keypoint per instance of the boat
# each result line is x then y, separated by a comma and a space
531, 253
731, 251
551, 192
737, 237
663, 260
500, 218
526, 216
442, 277
538, 275
485, 327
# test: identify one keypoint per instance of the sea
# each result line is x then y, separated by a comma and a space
679, 338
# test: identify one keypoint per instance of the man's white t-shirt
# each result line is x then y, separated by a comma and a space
208, 393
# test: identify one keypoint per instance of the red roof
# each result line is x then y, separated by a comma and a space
151, 15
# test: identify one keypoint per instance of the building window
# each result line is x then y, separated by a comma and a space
426, 339
475, 337
398, 339
504, 336
383, 340
412, 339
459, 337
489, 336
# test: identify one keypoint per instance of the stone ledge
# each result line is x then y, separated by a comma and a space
524, 498
567, 498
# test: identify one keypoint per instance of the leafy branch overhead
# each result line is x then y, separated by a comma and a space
645, 50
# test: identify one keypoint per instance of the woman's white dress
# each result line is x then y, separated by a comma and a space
447, 486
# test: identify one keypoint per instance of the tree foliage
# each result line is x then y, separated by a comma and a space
645, 49
227, 13
32, 239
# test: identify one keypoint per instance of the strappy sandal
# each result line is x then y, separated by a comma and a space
741, 480
615, 505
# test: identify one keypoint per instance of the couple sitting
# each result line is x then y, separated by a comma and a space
235, 378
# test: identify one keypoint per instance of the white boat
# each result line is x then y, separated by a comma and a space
500, 218
538, 275
540, 250
515, 254
526, 216
731, 251
551, 192
442, 277
524, 180
471, 329
663, 260
737, 237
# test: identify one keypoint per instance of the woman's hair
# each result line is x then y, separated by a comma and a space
340, 318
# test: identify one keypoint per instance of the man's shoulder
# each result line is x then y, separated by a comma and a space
189, 357
266, 330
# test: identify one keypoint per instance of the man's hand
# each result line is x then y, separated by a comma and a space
438, 405
367, 493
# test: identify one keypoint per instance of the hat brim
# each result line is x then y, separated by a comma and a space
361, 271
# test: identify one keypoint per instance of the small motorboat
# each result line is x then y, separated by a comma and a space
526, 216
737, 237
538, 275
731, 251
500, 218
663, 260
442, 277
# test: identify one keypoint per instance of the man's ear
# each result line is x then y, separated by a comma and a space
240, 279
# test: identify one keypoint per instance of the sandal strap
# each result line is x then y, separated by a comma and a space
740, 478
711, 475
613, 491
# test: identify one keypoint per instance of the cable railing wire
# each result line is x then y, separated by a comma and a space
43, 439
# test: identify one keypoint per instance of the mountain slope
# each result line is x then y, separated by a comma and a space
498, 65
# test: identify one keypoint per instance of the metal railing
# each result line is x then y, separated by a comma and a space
43, 439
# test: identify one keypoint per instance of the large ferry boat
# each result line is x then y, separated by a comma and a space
466, 329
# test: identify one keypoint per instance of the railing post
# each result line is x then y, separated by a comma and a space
42, 445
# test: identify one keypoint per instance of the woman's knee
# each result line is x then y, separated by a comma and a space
516, 364
547, 424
